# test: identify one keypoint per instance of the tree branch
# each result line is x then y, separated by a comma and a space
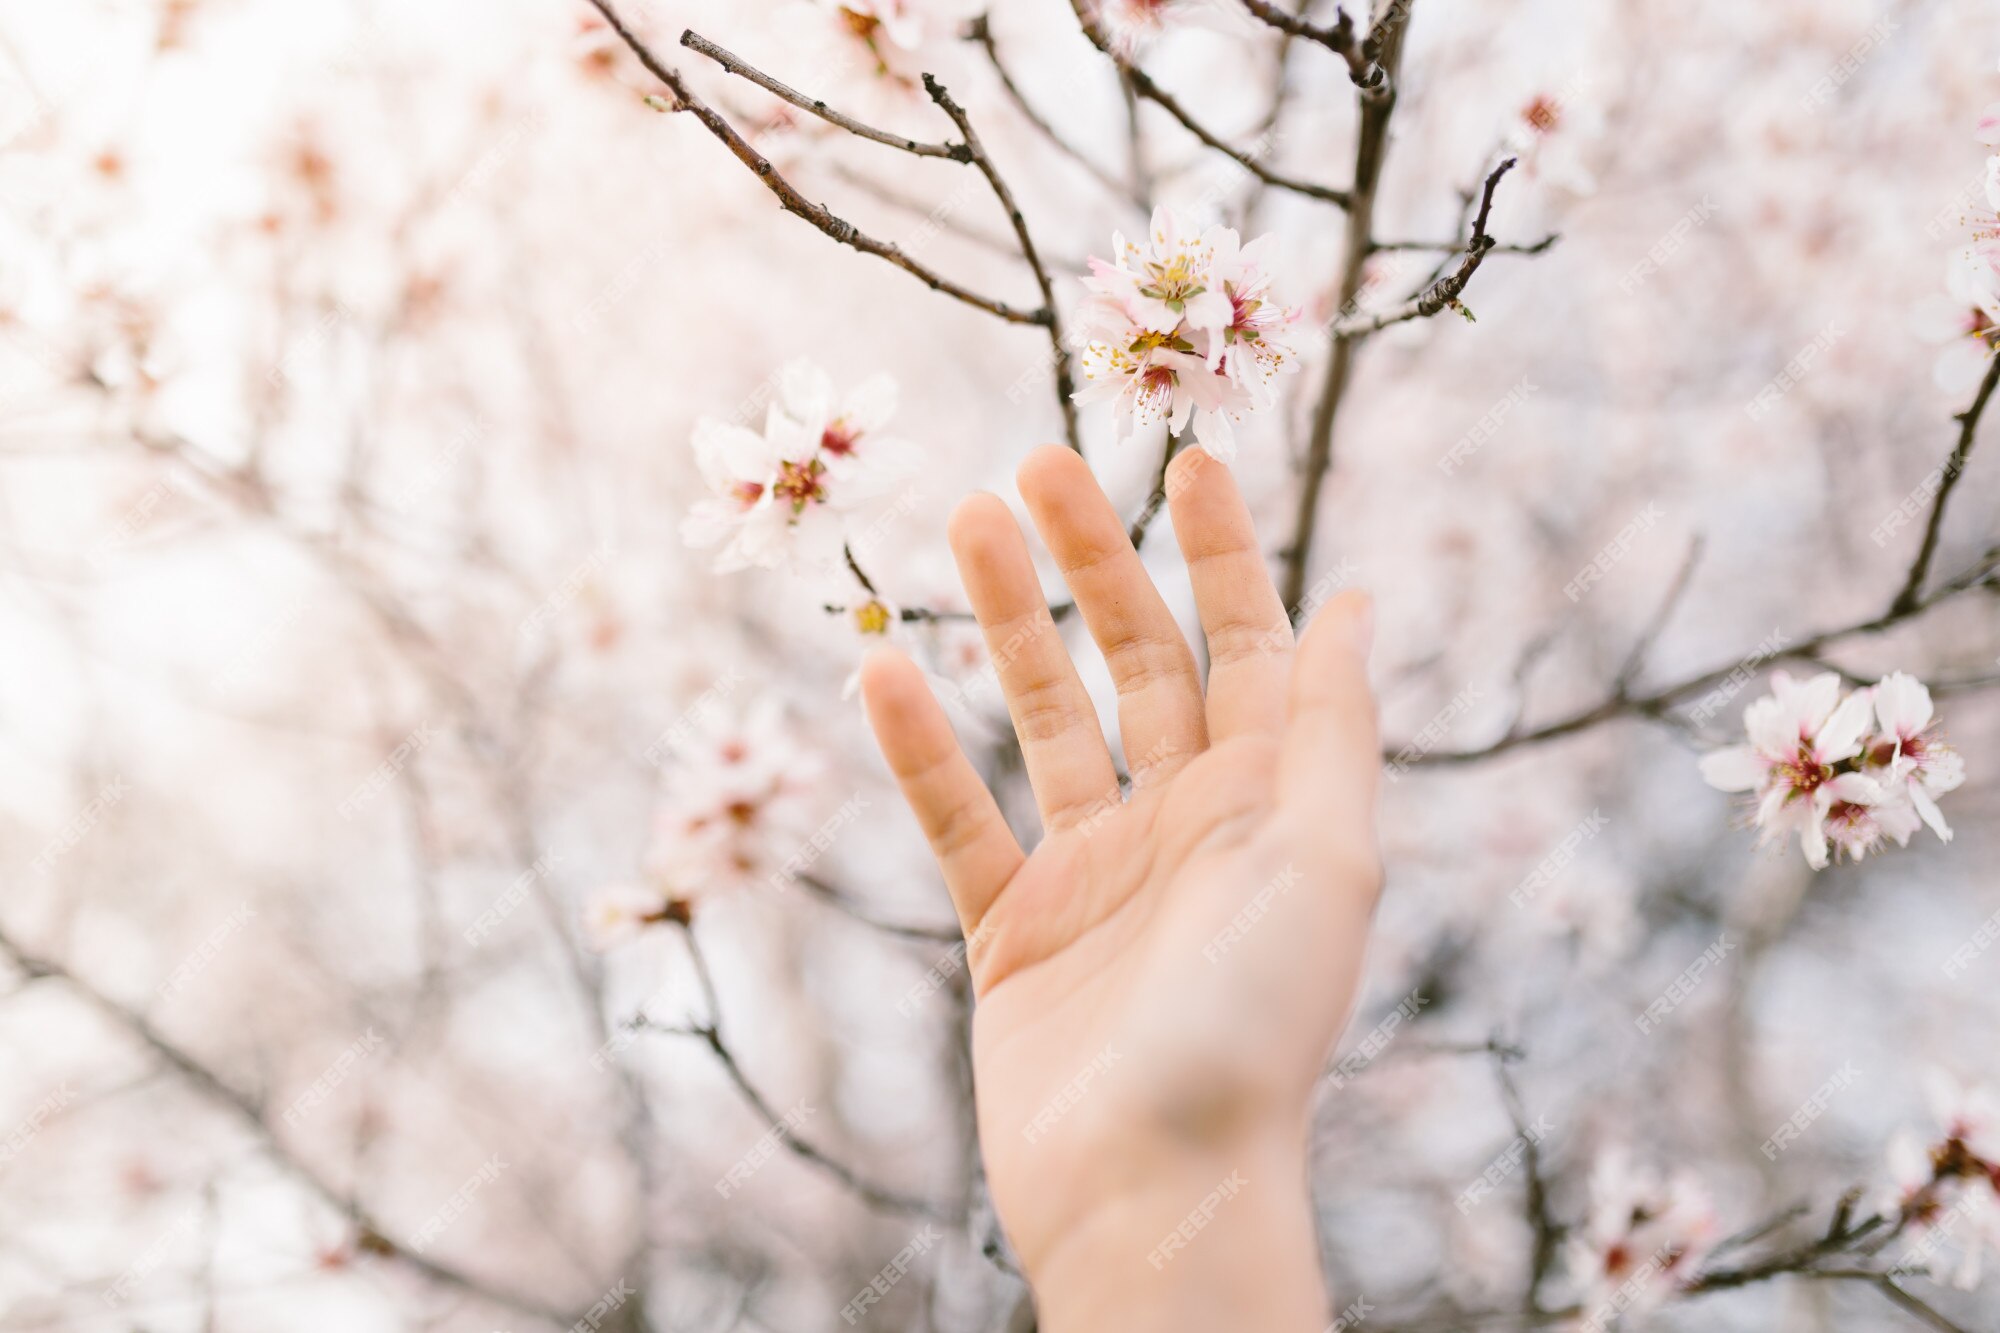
1370, 149
1954, 468
1337, 37
1142, 84
694, 41
1655, 704
788, 196
1065, 386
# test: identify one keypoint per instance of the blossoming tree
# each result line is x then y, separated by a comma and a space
448, 505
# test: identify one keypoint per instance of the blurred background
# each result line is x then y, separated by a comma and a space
353, 669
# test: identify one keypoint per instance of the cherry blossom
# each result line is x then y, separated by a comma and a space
1965, 323
1799, 735
779, 497
615, 914
1949, 1177
1911, 760
740, 795
1183, 327
1133, 23
1645, 1235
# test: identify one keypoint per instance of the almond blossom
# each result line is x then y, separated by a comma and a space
1801, 736
1964, 323
1950, 1176
779, 496
1907, 755
742, 794
615, 914
1645, 1236
1183, 327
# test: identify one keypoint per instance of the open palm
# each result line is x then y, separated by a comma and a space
1167, 972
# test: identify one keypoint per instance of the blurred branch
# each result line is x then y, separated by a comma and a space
1337, 37
1065, 386
1635, 660
1954, 468
1440, 295
843, 902
1371, 143
250, 1111
710, 1034
1541, 1219
788, 196
694, 41
1654, 704
981, 32
1142, 85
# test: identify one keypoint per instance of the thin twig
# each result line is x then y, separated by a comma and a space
694, 41
788, 196
981, 32
1337, 37
1440, 295
710, 1033
1655, 704
844, 903
250, 1111
1142, 84
1635, 660
1954, 468
1065, 385
1371, 144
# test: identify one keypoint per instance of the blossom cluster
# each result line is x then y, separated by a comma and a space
1644, 1237
1842, 770
1184, 325
1946, 1185
1965, 323
781, 495
734, 795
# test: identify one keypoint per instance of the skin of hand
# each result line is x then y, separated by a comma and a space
1160, 984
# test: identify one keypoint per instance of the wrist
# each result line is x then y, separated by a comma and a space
1220, 1238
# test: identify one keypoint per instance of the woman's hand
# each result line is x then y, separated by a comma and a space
1161, 982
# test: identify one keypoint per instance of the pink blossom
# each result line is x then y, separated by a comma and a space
1645, 1234
1798, 738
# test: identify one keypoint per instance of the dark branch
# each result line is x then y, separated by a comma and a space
1142, 84
693, 41
1065, 386
1954, 468
788, 196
